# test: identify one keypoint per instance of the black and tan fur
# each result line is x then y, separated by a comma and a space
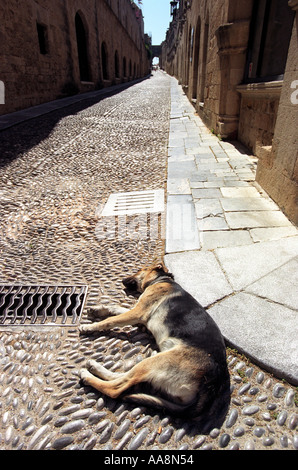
189, 376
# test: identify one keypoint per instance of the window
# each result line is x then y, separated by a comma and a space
270, 34
42, 38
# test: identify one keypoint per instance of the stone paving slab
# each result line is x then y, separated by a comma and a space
266, 331
240, 192
246, 264
178, 186
280, 286
200, 274
176, 170
181, 227
209, 207
213, 223
272, 233
253, 219
224, 238
235, 204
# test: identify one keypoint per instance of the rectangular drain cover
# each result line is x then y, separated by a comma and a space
134, 202
41, 305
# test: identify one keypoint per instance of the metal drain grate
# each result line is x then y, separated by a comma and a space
41, 305
134, 202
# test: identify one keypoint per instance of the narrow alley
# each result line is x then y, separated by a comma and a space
57, 172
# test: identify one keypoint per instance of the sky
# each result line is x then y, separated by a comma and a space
157, 18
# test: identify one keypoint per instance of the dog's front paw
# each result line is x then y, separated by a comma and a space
98, 312
94, 367
84, 376
85, 329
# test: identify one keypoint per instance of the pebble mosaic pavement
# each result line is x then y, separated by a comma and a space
56, 171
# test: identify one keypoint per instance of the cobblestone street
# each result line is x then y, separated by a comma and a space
56, 173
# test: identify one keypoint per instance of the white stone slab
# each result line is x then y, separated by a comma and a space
272, 233
200, 274
244, 265
181, 158
178, 186
206, 193
252, 219
224, 238
192, 150
234, 182
181, 170
181, 224
176, 142
173, 151
265, 331
207, 207
281, 285
212, 223
240, 192
233, 204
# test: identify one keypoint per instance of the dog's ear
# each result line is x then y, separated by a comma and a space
161, 267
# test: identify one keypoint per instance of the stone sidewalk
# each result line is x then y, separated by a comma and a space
229, 244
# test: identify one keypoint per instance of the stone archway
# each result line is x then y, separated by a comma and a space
156, 52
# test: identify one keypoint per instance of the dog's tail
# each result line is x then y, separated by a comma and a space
213, 404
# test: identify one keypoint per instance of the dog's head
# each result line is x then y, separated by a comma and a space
136, 284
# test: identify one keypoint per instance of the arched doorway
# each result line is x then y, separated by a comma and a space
204, 61
104, 61
82, 49
196, 60
117, 71
188, 60
124, 67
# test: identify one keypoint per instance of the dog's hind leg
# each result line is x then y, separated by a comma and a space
160, 371
115, 387
100, 371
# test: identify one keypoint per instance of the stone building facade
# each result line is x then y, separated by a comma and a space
50, 49
237, 62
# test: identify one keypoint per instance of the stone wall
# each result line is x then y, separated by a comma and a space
277, 170
221, 53
205, 49
39, 48
258, 113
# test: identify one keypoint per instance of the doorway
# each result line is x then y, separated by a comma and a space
82, 49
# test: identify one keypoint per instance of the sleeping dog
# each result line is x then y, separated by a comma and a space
189, 376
